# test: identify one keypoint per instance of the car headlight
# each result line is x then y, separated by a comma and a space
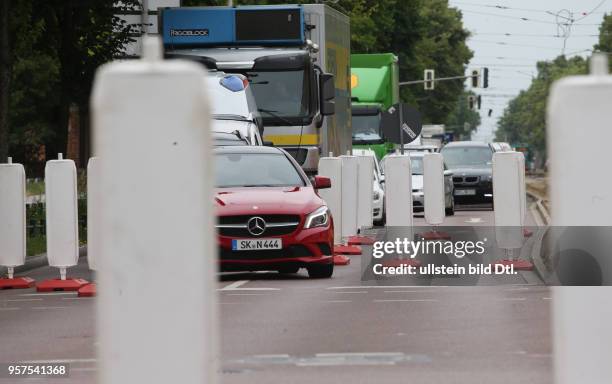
318, 218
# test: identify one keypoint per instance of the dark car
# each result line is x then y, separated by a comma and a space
471, 164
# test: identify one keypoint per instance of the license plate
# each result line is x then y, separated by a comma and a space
256, 244
465, 192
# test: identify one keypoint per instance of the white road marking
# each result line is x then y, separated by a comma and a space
423, 291
365, 354
405, 300
513, 299
60, 361
337, 301
49, 307
9, 309
235, 286
20, 300
247, 294
49, 294
474, 220
389, 286
349, 292
547, 298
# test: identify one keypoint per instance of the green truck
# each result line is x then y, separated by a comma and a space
374, 88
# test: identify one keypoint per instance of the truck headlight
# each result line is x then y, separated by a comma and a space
318, 218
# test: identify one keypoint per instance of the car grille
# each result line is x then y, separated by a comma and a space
289, 252
276, 225
465, 180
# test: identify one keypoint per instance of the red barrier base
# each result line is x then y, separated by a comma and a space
347, 250
357, 240
88, 290
527, 233
16, 283
400, 262
435, 236
60, 285
341, 260
519, 265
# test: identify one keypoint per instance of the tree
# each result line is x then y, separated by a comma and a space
605, 38
5, 76
462, 120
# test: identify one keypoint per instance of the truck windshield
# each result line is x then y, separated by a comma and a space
366, 128
281, 96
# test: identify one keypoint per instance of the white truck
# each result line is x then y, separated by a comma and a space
297, 60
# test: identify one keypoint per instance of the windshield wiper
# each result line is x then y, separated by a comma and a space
273, 114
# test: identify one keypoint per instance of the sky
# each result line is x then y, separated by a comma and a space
512, 59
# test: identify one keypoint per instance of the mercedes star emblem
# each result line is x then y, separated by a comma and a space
256, 226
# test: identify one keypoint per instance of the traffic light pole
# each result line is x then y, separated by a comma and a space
435, 79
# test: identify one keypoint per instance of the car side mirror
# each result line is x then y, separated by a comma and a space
321, 182
268, 143
327, 94
448, 172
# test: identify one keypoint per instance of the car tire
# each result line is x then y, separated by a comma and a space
451, 211
323, 271
288, 270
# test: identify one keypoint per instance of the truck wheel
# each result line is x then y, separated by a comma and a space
323, 271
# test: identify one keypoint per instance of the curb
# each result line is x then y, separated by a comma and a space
37, 261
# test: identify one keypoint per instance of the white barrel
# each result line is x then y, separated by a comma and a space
398, 191
509, 213
581, 195
332, 167
433, 188
158, 258
61, 213
365, 191
12, 215
93, 211
350, 171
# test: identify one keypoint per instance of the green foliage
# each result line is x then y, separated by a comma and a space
605, 38
524, 120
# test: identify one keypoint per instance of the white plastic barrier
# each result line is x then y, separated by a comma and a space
61, 214
12, 215
509, 213
350, 171
365, 191
332, 167
581, 195
93, 211
157, 267
433, 188
398, 191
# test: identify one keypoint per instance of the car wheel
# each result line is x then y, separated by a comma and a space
323, 271
288, 270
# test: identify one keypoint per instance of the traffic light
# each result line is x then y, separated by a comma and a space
478, 101
485, 77
490, 112
475, 76
472, 102
429, 77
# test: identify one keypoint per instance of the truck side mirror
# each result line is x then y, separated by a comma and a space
327, 94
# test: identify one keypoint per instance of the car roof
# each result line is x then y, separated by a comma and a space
466, 144
257, 149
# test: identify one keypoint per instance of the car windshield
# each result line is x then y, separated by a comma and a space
280, 94
366, 127
416, 165
469, 157
256, 170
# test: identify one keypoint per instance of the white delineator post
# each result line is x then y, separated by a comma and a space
365, 191
350, 171
509, 213
61, 214
433, 188
398, 191
157, 261
12, 219
579, 107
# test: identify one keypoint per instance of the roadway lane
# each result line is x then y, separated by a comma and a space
289, 328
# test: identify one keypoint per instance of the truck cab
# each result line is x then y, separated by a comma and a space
296, 59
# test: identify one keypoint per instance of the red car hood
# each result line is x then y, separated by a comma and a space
268, 200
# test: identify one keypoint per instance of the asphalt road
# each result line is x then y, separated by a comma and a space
290, 329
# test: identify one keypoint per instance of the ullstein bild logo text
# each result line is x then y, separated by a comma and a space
189, 32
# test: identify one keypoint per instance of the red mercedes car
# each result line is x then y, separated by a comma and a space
269, 215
